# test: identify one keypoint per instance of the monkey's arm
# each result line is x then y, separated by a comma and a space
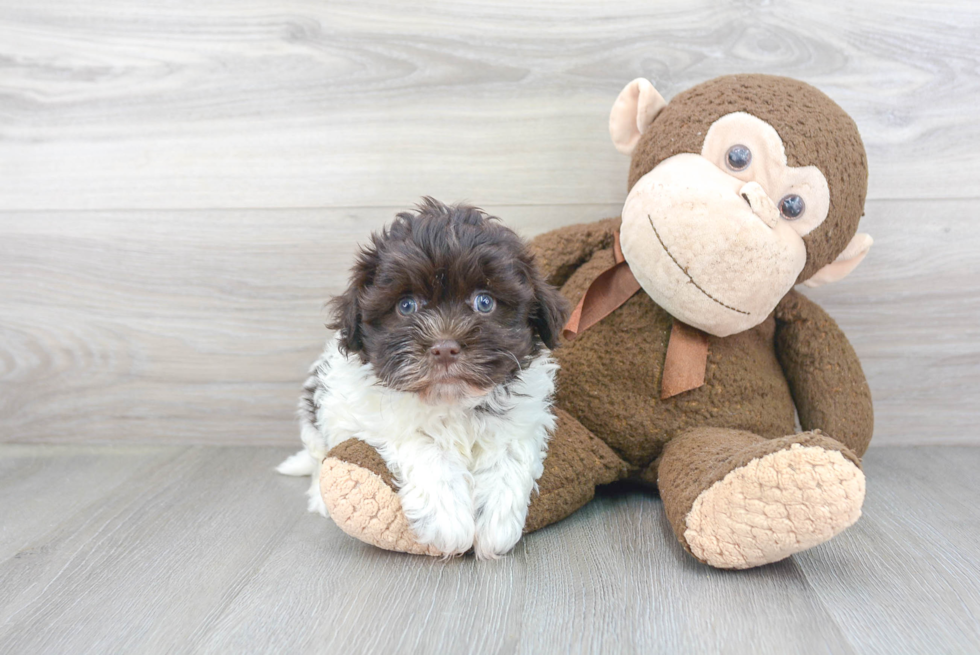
560, 252
824, 374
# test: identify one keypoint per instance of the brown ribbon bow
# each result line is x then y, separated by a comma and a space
687, 349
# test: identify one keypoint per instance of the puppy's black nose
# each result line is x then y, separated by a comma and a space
445, 351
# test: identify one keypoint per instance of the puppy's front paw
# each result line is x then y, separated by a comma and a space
498, 531
443, 520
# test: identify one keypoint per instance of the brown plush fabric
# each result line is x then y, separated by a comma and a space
610, 377
814, 129
577, 462
558, 256
824, 373
698, 458
605, 294
580, 280
610, 380
359, 453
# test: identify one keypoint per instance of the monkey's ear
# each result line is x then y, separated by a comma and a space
635, 108
549, 313
846, 262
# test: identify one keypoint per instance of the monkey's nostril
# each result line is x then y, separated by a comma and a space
745, 197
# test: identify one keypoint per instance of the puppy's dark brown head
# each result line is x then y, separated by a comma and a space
446, 302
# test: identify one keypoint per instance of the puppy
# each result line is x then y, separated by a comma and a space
441, 363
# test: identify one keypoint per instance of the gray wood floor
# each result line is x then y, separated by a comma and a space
204, 549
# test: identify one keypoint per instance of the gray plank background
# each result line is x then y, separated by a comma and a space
182, 184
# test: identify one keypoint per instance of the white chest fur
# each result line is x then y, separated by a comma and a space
351, 403
466, 470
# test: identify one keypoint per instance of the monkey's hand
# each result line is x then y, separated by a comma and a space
824, 374
560, 252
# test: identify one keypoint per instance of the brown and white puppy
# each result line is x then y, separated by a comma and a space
441, 362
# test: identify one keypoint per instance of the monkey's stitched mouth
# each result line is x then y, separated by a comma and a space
684, 271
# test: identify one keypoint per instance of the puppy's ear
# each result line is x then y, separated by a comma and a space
347, 318
550, 311
346, 308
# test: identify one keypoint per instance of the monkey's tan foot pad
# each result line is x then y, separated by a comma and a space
362, 504
774, 506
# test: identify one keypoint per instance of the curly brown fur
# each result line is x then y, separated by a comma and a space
442, 257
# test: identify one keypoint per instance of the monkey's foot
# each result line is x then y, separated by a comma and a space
774, 506
363, 503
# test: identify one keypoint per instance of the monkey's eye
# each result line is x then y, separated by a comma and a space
738, 158
792, 207
483, 303
407, 305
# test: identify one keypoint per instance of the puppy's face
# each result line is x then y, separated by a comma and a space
447, 303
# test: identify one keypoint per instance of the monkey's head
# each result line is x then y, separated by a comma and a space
740, 188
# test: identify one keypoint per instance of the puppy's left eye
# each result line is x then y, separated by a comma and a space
483, 303
407, 306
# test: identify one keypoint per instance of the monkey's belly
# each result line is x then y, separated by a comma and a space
610, 381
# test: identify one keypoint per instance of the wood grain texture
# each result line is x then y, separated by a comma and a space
919, 525
297, 103
42, 489
169, 549
198, 327
212, 552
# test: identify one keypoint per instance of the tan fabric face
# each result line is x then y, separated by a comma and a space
699, 250
814, 131
768, 166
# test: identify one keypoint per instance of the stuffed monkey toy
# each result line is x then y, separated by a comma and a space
689, 355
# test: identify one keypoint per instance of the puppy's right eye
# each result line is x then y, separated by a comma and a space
483, 303
407, 306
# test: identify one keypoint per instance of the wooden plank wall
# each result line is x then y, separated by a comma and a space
182, 183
